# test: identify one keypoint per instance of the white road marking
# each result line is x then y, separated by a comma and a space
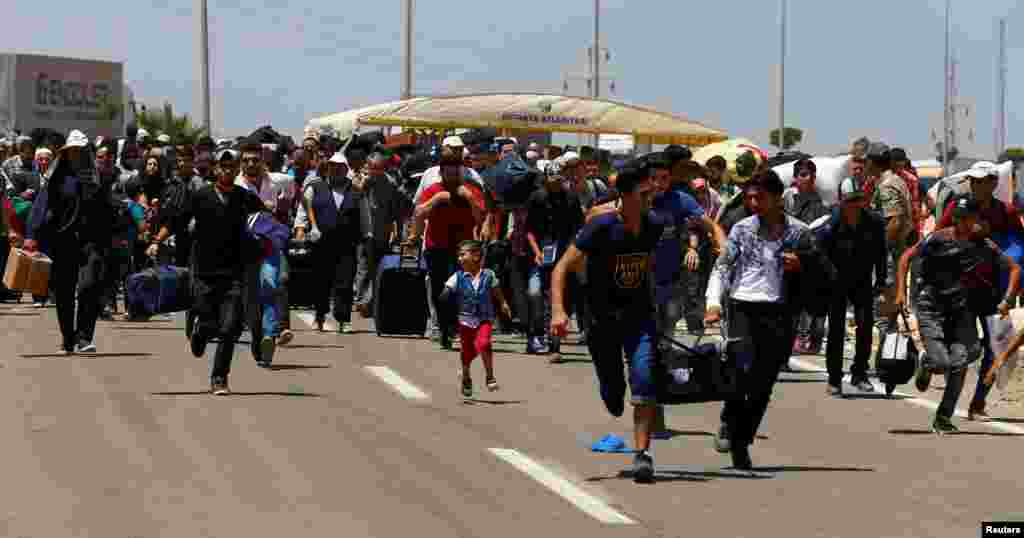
586, 502
397, 382
310, 319
920, 402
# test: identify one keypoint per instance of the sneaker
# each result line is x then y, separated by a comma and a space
467, 386
942, 425
555, 358
87, 347
446, 342
722, 442
345, 327
835, 390
643, 468
198, 342
319, 325
267, 347
286, 338
741, 458
923, 378
219, 388
862, 384
978, 414
535, 346
492, 384
38, 305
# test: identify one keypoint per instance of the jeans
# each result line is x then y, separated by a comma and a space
670, 312
811, 327
609, 342
951, 343
219, 308
440, 266
519, 277
268, 284
764, 336
370, 254
887, 323
538, 291
284, 309
981, 390
695, 286
334, 271
78, 269
863, 312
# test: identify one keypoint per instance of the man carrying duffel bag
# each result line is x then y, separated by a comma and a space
960, 277
221, 251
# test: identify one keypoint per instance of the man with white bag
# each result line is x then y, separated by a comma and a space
959, 281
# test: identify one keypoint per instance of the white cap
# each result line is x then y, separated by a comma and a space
532, 154
43, 151
141, 135
76, 139
338, 158
982, 169
164, 139
453, 142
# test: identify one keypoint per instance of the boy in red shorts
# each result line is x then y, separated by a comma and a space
475, 291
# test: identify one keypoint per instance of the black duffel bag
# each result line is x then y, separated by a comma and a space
512, 181
705, 373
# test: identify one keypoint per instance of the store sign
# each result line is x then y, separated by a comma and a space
548, 119
51, 91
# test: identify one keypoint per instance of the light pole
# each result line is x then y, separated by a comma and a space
407, 40
947, 167
782, 79
204, 65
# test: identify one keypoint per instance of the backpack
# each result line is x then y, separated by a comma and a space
512, 181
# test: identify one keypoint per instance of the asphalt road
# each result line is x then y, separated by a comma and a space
355, 435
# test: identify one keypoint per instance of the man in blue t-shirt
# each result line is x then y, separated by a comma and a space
619, 251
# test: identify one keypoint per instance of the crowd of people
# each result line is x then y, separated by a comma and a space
628, 250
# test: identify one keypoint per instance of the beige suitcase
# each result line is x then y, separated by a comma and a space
28, 273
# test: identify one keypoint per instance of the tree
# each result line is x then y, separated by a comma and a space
179, 128
791, 137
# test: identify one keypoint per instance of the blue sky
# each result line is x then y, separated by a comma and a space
869, 68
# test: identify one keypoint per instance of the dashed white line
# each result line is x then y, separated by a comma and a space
920, 402
397, 382
586, 502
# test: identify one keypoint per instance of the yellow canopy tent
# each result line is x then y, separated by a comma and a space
529, 112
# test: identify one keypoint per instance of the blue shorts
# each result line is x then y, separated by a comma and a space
609, 343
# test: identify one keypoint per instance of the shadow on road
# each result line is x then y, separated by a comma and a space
929, 432
233, 393
1009, 420
685, 433
83, 355
799, 380
283, 367
873, 396
493, 402
312, 346
141, 327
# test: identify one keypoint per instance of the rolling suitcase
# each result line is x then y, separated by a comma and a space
400, 296
302, 289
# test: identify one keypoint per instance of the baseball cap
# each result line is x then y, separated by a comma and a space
849, 192
164, 139
965, 205
982, 169
76, 139
453, 142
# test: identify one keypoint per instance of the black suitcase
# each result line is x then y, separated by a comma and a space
705, 373
400, 296
302, 285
